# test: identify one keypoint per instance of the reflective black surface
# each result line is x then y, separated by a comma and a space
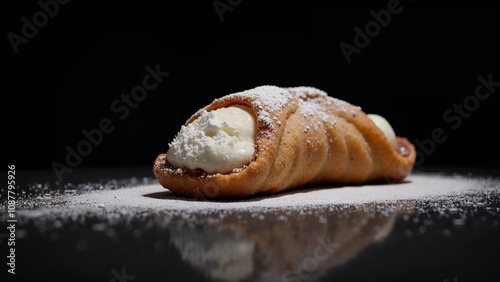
451, 238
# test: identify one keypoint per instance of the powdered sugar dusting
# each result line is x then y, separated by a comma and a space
269, 99
304, 92
313, 105
155, 197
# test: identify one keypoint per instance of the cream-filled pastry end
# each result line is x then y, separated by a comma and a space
385, 126
217, 141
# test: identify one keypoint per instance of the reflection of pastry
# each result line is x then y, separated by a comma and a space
270, 139
282, 246
222, 255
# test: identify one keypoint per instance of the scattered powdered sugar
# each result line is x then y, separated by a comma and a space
269, 99
266, 117
304, 92
156, 198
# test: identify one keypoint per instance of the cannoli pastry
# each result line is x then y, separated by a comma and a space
270, 139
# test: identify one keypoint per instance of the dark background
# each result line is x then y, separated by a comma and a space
66, 77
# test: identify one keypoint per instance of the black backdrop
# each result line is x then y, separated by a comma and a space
74, 60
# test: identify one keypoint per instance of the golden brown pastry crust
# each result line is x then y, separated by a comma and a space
304, 137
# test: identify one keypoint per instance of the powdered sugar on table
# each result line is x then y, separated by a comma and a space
154, 197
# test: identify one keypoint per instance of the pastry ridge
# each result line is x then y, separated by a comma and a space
304, 137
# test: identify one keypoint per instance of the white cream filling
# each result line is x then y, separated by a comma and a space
217, 141
385, 126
